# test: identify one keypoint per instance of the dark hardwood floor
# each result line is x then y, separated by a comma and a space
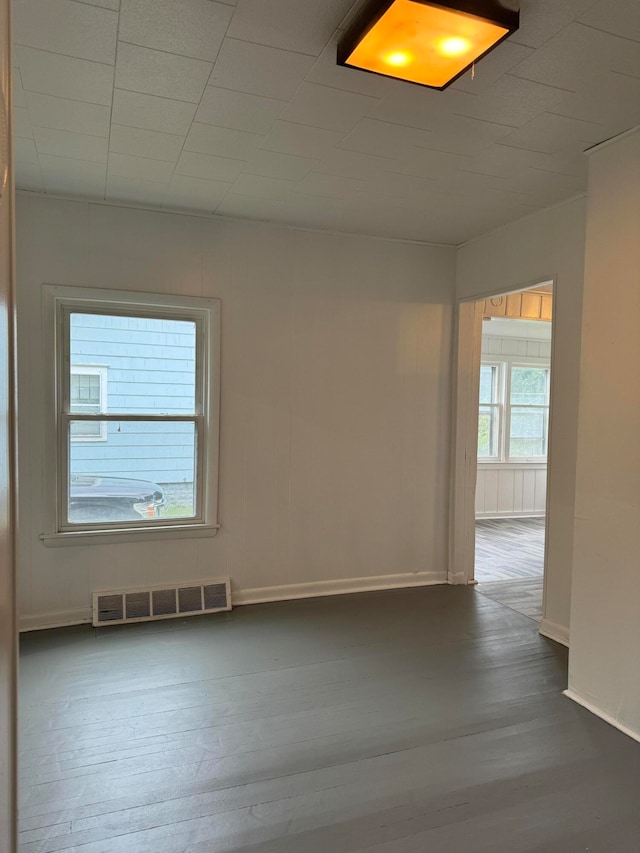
415, 721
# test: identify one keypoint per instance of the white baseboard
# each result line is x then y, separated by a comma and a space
336, 587
576, 697
59, 619
261, 595
553, 631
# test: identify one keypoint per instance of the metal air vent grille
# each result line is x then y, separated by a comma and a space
116, 607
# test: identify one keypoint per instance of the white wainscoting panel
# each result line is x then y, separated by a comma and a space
508, 491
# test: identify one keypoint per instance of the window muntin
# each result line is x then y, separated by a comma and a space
513, 415
88, 393
161, 358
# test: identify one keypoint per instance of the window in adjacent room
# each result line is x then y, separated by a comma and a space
513, 415
148, 460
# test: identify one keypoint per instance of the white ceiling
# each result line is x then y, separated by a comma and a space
237, 108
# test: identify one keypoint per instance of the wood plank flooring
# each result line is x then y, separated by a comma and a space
415, 721
509, 548
509, 564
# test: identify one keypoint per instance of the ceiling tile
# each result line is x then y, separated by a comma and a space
152, 72
383, 138
145, 143
211, 168
259, 70
257, 185
65, 77
195, 28
19, 97
149, 112
620, 17
140, 168
354, 164
190, 193
334, 186
79, 146
62, 26
427, 163
301, 140
461, 135
551, 133
492, 67
514, 101
73, 116
106, 4
222, 141
542, 19
28, 176
238, 110
578, 54
25, 151
136, 191
420, 107
333, 109
21, 123
611, 99
73, 177
272, 164
288, 24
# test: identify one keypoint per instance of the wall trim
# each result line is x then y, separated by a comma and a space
553, 631
316, 589
57, 619
262, 595
580, 700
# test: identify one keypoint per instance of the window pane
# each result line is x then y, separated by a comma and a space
150, 362
488, 383
528, 432
488, 429
529, 385
143, 470
86, 429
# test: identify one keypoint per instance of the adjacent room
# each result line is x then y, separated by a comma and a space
319, 472
513, 444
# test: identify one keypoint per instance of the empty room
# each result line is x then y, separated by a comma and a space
319, 470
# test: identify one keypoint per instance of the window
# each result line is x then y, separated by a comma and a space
147, 463
513, 415
88, 393
490, 414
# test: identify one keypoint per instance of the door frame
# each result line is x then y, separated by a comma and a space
464, 462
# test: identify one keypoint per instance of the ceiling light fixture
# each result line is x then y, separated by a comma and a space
431, 44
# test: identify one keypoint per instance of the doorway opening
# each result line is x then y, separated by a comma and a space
512, 448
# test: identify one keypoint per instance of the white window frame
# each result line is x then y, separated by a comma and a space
100, 371
499, 406
59, 302
505, 365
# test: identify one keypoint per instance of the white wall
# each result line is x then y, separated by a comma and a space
547, 245
335, 402
604, 663
513, 489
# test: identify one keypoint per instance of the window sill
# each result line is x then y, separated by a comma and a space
131, 534
525, 463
